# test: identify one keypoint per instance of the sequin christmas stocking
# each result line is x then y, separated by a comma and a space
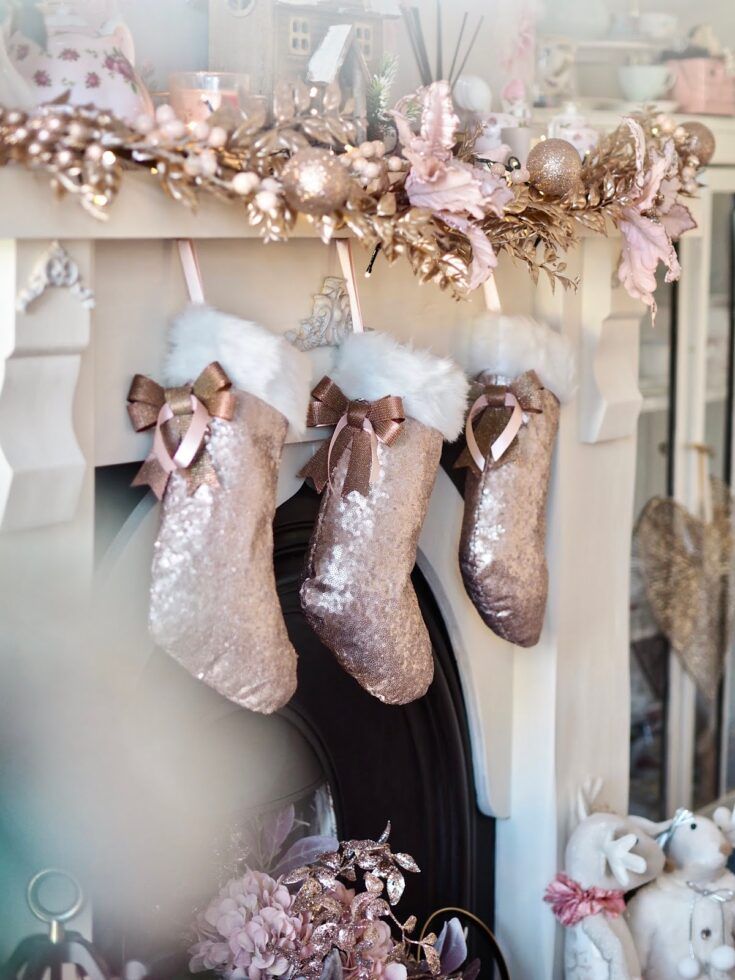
391, 407
214, 606
521, 371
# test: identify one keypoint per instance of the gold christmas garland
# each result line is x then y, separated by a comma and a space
304, 162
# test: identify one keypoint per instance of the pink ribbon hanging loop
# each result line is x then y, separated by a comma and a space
506, 437
191, 442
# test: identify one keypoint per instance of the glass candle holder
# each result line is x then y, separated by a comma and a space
195, 95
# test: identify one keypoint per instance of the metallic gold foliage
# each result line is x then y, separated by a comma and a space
350, 931
87, 152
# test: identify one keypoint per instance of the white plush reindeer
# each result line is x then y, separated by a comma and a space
682, 923
606, 856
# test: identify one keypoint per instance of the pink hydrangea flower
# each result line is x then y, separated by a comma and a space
42, 78
249, 930
69, 54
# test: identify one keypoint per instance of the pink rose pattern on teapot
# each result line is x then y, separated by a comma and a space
91, 67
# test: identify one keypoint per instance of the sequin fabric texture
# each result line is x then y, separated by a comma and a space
357, 594
214, 605
502, 545
688, 570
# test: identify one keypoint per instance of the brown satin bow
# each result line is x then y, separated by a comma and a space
181, 417
495, 432
359, 426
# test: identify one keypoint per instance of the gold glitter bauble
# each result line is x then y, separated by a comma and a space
554, 167
701, 141
315, 182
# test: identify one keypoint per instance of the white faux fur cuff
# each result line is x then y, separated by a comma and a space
256, 360
511, 345
433, 389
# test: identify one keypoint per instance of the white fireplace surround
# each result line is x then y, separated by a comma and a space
541, 720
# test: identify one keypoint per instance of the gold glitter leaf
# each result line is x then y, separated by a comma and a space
387, 205
301, 96
373, 884
298, 874
432, 959
407, 862
331, 98
317, 130
396, 884
284, 109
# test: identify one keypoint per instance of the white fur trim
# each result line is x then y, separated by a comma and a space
256, 360
433, 389
511, 345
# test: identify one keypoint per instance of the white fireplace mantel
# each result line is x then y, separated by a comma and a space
542, 720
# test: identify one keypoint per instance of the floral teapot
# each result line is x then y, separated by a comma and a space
93, 62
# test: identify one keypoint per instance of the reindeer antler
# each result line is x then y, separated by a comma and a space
620, 859
586, 796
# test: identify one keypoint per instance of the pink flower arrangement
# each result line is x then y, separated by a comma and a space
257, 927
252, 930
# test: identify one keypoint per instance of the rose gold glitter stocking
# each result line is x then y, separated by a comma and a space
214, 606
502, 546
357, 594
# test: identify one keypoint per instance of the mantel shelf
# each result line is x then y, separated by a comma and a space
29, 209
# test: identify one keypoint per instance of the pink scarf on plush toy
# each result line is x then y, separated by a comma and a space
571, 903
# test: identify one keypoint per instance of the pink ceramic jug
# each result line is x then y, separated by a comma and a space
93, 65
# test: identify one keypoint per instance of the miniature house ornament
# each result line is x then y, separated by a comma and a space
236, 29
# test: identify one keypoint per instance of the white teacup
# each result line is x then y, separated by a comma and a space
644, 83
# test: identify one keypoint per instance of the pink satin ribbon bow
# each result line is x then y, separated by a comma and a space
181, 417
359, 426
571, 903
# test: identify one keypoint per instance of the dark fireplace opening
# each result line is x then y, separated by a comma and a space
410, 764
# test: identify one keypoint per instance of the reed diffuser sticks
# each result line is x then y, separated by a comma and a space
414, 29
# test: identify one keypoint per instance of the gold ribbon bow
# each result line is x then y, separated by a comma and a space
496, 430
359, 426
181, 417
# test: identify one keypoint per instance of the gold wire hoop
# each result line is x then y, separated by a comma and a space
482, 926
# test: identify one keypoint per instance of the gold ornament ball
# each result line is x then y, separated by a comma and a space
701, 141
315, 182
554, 167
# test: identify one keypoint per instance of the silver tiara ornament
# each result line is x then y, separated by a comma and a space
681, 816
